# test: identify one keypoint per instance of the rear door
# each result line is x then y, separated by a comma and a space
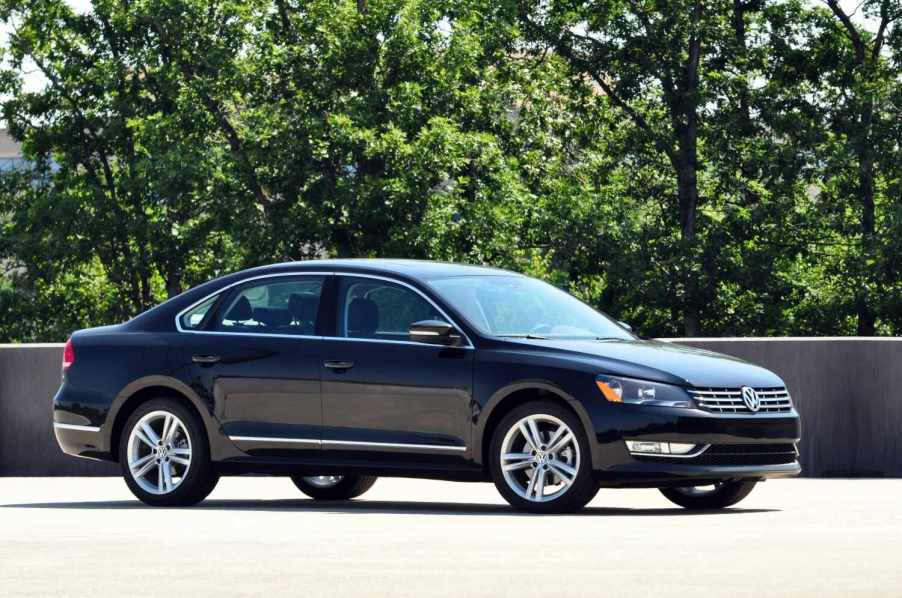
258, 359
383, 393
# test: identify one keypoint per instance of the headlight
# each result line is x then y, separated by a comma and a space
642, 392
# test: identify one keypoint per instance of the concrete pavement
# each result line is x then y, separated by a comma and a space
258, 536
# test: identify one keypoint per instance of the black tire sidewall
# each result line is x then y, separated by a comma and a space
583, 488
350, 486
727, 495
199, 480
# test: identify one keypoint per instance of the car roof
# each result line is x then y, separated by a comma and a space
420, 269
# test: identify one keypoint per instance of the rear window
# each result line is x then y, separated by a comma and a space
194, 317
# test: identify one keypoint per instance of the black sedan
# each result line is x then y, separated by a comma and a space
334, 372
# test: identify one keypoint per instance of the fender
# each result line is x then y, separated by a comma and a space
220, 445
531, 384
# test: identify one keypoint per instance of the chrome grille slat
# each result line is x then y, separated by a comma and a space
729, 400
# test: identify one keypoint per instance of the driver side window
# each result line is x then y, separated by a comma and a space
378, 309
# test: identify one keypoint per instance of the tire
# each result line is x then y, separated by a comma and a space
723, 495
188, 484
343, 487
524, 485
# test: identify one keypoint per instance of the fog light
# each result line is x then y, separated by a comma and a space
647, 447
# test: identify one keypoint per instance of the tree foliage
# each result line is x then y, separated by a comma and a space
725, 167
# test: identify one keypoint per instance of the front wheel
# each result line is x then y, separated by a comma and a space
164, 455
715, 496
540, 459
334, 487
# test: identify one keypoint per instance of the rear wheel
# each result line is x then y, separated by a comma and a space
334, 487
540, 459
714, 496
164, 455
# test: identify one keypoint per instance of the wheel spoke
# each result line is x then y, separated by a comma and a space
143, 438
563, 471
532, 483
172, 431
515, 461
561, 429
150, 434
180, 451
161, 486
536, 437
524, 431
167, 421
180, 461
540, 485
148, 465
139, 462
561, 443
167, 475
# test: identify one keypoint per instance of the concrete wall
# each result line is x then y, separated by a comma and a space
29, 377
849, 391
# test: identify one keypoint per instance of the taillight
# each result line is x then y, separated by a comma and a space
68, 355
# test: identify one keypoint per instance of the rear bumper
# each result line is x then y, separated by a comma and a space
80, 441
770, 441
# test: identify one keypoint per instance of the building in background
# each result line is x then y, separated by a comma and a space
10, 153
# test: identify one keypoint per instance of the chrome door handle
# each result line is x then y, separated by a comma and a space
338, 365
206, 358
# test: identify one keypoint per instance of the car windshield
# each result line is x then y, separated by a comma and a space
519, 306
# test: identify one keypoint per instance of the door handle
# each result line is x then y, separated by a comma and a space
338, 365
206, 358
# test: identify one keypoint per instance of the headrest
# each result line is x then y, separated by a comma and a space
240, 311
272, 316
363, 317
302, 306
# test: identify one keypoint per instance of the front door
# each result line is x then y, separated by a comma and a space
259, 358
382, 392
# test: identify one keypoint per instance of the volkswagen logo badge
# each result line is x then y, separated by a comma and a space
750, 398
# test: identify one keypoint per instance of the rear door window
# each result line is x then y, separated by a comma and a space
278, 306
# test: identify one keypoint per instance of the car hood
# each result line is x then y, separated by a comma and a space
663, 362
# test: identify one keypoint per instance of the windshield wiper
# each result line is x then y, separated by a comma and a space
529, 336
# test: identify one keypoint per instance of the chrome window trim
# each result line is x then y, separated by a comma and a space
400, 445
178, 316
418, 292
62, 426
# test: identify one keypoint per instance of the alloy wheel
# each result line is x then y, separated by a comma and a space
323, 481
699, 491
159, 452
540, 458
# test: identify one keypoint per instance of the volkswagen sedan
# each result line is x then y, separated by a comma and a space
335, 372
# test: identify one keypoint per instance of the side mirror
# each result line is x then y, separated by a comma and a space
434, 332
625, 325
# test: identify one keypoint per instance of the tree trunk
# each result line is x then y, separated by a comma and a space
173, 284
866, 316
688, 197
687, 192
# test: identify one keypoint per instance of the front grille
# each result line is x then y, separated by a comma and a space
729, 400
747, 454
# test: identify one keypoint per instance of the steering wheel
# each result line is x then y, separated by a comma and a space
541, 328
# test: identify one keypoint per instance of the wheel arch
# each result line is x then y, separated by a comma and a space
144, 389
509, 397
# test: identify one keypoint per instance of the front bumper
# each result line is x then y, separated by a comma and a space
742, 446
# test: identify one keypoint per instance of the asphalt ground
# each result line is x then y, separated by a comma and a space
258, 536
